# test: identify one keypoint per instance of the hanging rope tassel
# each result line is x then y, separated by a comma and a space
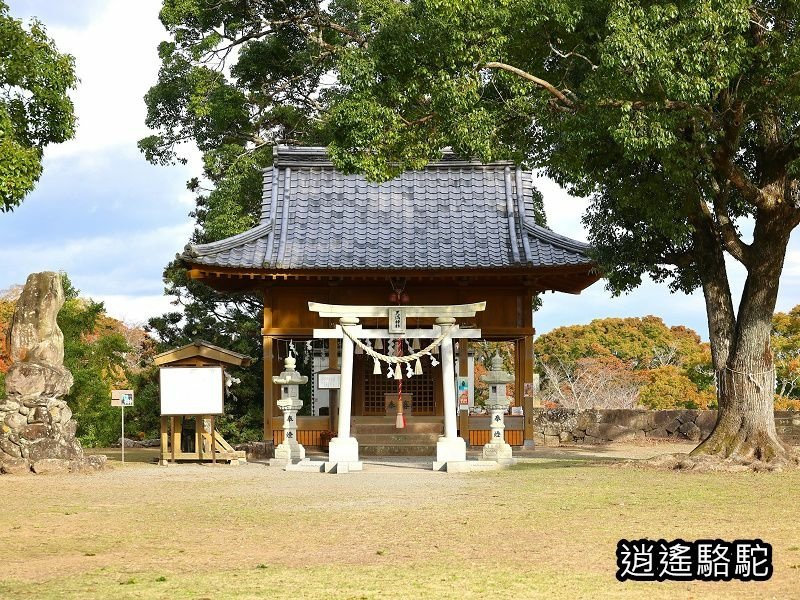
418, 368
376, 370
398, 374
379, 344
415, 344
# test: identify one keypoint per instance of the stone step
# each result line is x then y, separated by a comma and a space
396, 449
389, 428
397, 438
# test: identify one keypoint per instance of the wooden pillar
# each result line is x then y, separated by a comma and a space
528, 367
463, 371
213, 440
333, 395
164, 440
463, 425
199, 429
177, 428
267, 344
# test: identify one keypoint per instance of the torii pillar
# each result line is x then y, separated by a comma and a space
343, 449
451, 447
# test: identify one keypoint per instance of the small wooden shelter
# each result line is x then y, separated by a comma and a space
177, 442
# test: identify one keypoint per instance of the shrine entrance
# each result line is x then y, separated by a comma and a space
394, 367
370, 392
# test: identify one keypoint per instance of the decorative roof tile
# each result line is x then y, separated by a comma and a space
454, 214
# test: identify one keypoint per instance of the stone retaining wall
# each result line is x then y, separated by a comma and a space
553, 427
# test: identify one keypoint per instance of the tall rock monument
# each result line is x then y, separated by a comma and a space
37, 431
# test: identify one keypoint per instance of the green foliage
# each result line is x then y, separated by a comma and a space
628, 103
2, 385
95, 357
278, 54
35, 109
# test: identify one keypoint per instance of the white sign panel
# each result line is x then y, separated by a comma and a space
329, 381
191, 391
397, 320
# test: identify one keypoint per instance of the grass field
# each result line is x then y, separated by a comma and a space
547, 528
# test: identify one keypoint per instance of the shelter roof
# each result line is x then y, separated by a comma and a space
203, 349
451, 215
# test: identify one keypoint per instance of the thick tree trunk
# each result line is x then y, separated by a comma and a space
745, 427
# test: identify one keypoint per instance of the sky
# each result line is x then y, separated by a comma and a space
112, 221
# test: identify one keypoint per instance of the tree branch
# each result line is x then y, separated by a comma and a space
727, 231
555, 92
722, 158
557, 52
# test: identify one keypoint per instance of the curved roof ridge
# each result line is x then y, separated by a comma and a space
551, 237
317, 156
195, 250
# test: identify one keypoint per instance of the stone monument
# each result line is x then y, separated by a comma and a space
37, 431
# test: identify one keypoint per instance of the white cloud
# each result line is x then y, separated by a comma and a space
791, 266
135, 310
563, 211
103, 264
117, 62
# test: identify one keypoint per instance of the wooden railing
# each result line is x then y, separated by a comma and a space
484, 436
479, 432
309, 430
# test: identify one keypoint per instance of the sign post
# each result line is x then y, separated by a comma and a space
122, 398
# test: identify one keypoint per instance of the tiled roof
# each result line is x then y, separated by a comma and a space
453, 214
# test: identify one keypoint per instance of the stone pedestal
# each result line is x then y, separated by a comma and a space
343, 456
449, 450
497, 449
290, 450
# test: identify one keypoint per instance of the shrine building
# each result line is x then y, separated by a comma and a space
454, 234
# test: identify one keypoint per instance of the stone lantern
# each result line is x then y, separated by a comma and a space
497, 449
289, 451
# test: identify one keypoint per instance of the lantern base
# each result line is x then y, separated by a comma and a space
288, 453
499, 452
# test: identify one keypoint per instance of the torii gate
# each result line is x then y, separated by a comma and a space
343, 449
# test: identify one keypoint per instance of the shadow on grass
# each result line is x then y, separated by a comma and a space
565, 463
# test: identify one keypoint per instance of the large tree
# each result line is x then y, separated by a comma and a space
35, 109
680, 120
